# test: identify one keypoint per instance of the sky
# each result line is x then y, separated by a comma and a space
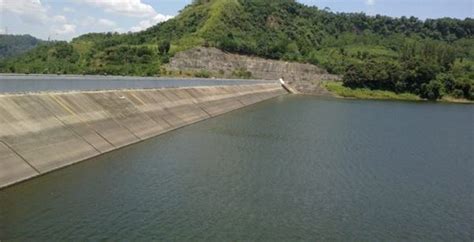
66, 19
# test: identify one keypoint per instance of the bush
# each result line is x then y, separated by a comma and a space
432, 90
374, 75
242, 73
464, 86
202, 74
164, 47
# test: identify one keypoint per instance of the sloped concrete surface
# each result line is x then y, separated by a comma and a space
43, 132
13, 167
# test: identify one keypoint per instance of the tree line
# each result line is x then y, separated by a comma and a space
430, 58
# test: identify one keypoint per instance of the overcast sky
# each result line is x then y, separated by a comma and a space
65, 19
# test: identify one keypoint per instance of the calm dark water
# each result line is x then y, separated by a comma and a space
35, 83
293, 168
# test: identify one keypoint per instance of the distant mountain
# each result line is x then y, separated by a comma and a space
276, 29
14, 45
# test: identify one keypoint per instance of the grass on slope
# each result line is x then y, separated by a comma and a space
365, 93
216, 11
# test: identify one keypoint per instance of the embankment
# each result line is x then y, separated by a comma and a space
42, 132
305, 78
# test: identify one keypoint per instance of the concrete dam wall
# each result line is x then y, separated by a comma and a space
43, 132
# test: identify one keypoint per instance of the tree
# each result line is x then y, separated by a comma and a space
164, 47
432, 90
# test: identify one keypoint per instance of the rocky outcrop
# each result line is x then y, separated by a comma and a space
306, 78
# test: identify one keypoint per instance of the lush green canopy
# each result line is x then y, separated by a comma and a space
401, 54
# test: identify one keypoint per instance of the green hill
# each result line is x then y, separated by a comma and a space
14, 45
378, 52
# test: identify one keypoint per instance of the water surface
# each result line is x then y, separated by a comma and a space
38, 83
292, 168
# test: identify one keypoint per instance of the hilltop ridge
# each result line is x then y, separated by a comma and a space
14, 45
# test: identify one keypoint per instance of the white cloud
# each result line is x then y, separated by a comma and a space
59, 19
67, 20
158, 18
68, 10
370, 2
87, 21
106, 23
61, 26
134, 8
94, 24
31, 11
64, 29
119, 30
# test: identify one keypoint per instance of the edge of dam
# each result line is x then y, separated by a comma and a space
46, 131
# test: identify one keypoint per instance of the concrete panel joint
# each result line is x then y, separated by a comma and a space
42, 132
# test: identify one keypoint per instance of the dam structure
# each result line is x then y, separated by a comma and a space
43, 132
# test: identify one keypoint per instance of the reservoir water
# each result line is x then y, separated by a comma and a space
292, 168
38, 83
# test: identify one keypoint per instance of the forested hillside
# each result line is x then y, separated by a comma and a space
14, 45
429, 58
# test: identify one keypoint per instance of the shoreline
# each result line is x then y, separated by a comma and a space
339, 91
336, 89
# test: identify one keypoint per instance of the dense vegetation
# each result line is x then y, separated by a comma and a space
429, 58
366, 93
14, 45
429, 69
